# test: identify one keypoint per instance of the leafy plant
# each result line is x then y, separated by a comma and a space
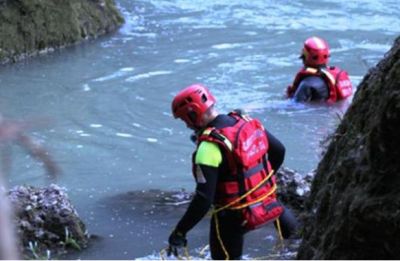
70, 241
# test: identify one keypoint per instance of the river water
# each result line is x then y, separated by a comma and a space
108, 100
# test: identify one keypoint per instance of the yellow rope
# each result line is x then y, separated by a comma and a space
278, 228
203, 250
244, 195
214, 212
162, 253
219, 237
257, 200
186, 252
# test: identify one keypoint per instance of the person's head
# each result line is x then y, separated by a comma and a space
195, 106
315, 52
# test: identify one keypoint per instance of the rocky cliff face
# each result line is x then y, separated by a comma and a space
28, 27
355, 195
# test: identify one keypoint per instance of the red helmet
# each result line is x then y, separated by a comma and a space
315, 52
191, 103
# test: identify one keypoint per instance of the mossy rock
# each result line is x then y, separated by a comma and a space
28, 27
46, 221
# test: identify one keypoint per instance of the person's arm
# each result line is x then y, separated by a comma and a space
208, 158
201, 201
289, 91
276, 151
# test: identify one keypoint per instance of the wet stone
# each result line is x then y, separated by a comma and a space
293, 188
46, 221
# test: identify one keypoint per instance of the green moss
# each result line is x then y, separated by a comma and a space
28, 26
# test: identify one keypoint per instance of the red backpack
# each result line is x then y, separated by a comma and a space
250, 185
343, 85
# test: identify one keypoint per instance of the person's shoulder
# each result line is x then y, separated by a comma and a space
208, 153
207, 145
223, 121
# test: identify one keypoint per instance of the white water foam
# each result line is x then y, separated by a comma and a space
121, 72
86, 87
124, 135
181, 60
94, 125
225, 46
147, 75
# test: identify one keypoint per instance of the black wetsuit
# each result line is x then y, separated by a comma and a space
311, 88
230, 227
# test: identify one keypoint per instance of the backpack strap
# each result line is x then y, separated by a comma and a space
329, 76
218, 136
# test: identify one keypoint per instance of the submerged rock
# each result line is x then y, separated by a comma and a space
355, 197
46, 221
34, 26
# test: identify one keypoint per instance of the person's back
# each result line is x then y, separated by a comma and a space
311, 88
316, 80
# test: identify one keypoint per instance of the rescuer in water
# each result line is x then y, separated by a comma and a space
316, 81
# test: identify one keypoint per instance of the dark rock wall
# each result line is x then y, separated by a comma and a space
355, 197
28, 27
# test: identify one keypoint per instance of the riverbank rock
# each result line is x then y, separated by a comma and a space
355, 197
293, 188
46, 222
31, 27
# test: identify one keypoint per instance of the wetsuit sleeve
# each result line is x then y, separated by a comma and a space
208, 154
276, 151
207, 160
311, 88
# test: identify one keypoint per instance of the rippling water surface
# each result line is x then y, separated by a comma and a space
109, 101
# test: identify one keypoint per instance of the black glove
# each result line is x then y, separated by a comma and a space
176, 240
